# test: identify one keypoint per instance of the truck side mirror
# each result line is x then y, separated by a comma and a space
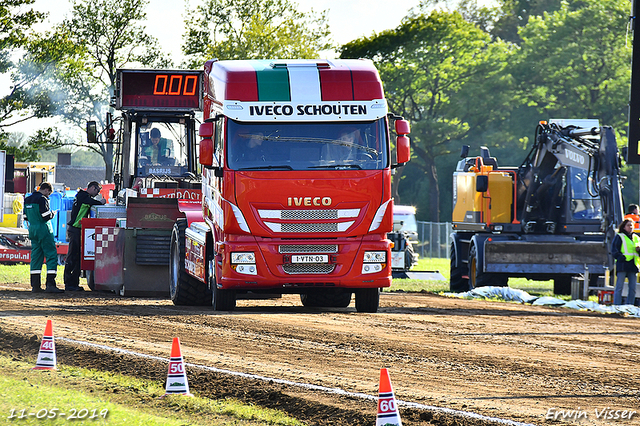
482, 183
402, 127
205, 153
92, 132
403, 147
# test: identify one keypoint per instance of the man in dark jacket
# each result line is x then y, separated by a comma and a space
81, 208
39, 215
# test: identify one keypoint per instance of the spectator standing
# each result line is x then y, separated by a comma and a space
81, 207
624, 249
634, 215
39, 215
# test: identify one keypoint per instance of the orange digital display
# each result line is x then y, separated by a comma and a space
155, 90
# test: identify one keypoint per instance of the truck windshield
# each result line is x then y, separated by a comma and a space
161, 149
307, 146
583, 204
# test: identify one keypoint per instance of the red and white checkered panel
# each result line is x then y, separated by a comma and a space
109, 263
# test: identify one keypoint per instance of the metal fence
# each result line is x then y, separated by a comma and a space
434, 239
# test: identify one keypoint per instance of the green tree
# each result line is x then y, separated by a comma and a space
111, 35
28, 148
427, 65
15, 25
575, 62
253, 29
515, 14
29, 94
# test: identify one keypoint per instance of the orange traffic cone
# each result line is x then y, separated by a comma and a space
176, 378
47, 355
387, 408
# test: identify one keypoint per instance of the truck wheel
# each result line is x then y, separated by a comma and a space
340, 299
477, 278
409, 256
562, 285
367, 300
221, 300
457, 271
184, 289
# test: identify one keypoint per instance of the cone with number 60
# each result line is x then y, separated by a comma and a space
47, 355
177, 377
388, 414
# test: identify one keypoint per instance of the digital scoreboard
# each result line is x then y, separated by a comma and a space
159, 90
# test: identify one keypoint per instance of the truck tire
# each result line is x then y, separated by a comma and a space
367, 300
409, 256
184, 289
221, 300
456, 273
562, 285
477, 278
325, 299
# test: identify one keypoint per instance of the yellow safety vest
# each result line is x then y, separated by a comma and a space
628, 248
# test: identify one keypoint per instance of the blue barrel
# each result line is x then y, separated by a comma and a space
62, 215
55, 201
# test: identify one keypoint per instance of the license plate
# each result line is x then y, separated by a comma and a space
310, 258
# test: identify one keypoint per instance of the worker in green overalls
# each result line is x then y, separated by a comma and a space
39, 215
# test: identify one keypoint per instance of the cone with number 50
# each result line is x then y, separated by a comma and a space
177, 377
387, 408
47, 355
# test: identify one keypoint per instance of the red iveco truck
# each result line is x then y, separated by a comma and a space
296, 186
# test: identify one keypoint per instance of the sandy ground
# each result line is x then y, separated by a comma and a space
500, 360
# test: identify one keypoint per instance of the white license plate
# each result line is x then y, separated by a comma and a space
310, 258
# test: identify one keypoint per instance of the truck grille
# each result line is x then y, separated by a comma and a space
309, 227
291, 221
308, 214
308, 248
308, 268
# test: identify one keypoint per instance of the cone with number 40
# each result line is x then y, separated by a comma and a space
176, 377
388, 414
47, 355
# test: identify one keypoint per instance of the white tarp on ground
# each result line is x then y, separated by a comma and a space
514, 295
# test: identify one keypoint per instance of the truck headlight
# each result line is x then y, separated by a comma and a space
243, 257
375, 257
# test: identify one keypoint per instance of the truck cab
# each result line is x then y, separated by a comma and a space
296, 185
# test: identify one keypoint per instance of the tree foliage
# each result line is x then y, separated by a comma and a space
427, 65
253, 29
515, 14
111, 34
28, 149
15, 24
27, 59
574, 62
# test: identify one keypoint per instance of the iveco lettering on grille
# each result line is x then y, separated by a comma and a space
308, 201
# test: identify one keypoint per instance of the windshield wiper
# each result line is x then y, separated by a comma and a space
280, 167
337, 166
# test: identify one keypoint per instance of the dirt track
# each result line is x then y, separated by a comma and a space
501, 360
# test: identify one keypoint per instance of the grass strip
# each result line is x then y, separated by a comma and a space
30, 397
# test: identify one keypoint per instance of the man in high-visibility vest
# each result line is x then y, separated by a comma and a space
632, 214
624, 249
39, 215
81, 208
